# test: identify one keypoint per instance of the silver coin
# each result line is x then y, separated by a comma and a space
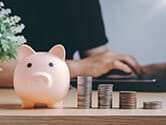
84, 94
81, 103
105, 95
84, 106
84, 99
104, 107
105, 85
84, 80
104, 103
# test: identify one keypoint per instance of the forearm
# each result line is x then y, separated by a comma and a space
80, 67
94, 51
76, 67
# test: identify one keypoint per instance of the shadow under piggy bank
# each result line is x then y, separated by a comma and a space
10, 106
18, 106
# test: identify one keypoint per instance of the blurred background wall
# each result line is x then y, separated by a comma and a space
136, 27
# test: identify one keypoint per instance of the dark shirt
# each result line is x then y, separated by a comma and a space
77, 24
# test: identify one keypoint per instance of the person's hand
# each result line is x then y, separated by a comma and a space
154, 71
102, 63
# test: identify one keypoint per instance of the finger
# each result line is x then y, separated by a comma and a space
121, 66
131, 61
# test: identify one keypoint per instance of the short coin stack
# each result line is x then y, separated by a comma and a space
152, 105
128, 100
84, 89
105, 96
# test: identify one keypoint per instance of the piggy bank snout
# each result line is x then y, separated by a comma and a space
41, 80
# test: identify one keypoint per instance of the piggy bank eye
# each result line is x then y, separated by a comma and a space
51, 64
29, 65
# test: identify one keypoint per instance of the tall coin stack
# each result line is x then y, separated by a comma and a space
84, 89
105, 96
128, 100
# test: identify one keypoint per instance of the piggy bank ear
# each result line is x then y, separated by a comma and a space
58, 50
24, 51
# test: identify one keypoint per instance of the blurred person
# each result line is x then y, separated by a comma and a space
76, 24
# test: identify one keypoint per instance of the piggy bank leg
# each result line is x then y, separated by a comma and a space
57, 105
27, 105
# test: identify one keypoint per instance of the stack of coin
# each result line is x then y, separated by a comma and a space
152, 105
128, 100
105, 96
84, 92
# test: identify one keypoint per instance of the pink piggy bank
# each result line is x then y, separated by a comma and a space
41, 77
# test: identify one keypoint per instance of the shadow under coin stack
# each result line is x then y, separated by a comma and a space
84, 89
105, 96
128, 100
